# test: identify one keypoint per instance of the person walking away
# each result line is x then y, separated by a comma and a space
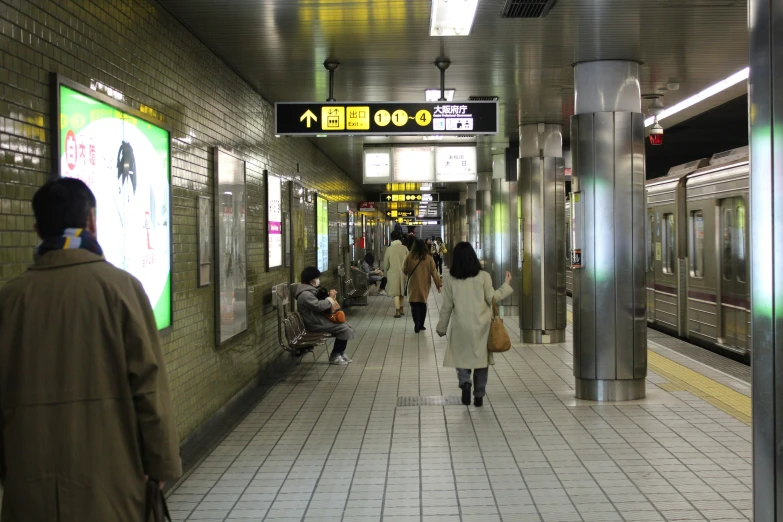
87, 414
437, 256
465, 315
421, 271
393, 262
373, 274
313, 311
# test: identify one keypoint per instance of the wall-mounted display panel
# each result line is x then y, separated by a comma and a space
413, 164
125, 159
274, 219
322, 232
377, 165
205, 247
230, 245
456, 164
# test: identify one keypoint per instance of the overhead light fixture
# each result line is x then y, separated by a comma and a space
712, 90
452, 17
434, 137
432, 95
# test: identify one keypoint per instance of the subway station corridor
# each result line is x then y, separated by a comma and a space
386, 438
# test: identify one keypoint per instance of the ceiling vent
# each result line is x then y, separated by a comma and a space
527, 8
483, 98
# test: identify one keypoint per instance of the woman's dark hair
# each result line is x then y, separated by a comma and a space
395, 236
419, 249
369, 258
310, 273
464, 262
60, 204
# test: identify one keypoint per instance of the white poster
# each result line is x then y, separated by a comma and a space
377, 166
456, 164
274, 216
414, 164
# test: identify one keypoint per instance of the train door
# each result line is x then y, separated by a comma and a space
651, 252
734, 281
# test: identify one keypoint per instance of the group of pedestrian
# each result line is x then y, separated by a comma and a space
88, 425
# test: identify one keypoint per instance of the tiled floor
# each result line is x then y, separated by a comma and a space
340, 449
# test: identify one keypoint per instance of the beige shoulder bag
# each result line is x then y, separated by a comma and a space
498, 341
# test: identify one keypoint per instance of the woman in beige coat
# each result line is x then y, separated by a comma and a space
420, 269
393, 261
467, 306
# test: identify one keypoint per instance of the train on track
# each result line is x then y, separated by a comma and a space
698, 252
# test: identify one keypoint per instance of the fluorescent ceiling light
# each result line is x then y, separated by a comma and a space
722, 85
434, 94
434, 137
452, 17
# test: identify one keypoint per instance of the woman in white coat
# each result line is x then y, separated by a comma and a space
393, 262
467, 308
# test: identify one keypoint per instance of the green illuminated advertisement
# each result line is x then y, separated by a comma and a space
125, 161
322, 233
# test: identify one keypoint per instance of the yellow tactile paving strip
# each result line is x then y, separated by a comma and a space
682, 378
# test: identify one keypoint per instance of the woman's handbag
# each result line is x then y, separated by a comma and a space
409, 277
498, 341
156, 504
335, 315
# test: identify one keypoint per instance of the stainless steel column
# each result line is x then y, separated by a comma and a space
506, 229
462, 216
765, 91
541, 184
607, 144
484, 212
472, 221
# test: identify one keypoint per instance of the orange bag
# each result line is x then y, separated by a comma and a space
498, 341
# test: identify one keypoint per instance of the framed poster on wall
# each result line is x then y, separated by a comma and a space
205, 247
124, 156
274, 220
230, 246
322, 232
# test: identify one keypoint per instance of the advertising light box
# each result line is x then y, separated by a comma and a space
125, 159
377, 165
456, 164
414, 164
274, 216
322, 233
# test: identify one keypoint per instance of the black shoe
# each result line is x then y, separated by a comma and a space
479, 402
416, 330
422, 328
466, 393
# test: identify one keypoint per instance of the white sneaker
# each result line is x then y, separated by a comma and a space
383, 293
345, 358
338, 360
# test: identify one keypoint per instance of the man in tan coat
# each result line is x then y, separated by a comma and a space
86, 412
393, 262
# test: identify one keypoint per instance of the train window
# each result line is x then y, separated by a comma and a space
669, 255
740, 233
696, 244
728, 234
651, 242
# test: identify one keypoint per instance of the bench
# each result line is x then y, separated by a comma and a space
357, 286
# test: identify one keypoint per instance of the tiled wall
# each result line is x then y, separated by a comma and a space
137, 47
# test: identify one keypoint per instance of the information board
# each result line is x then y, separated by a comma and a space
386, 118
125, 159
428, 197
456, 164
274, 217
377, 165
413, 164
322, 233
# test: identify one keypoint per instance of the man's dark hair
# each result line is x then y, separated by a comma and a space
60, 204
310, 273
395, 236
419, 249
464, 262
369, 257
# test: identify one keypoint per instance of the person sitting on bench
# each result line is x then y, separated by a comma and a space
374, 274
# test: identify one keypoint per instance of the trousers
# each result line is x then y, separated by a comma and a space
339, 347
419, 314
480, 376
439, 263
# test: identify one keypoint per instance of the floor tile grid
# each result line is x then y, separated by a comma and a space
298, 377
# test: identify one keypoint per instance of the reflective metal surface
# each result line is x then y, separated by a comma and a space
539, 337
484, 210
386, 53
506, 249
610, 390
766, 230
607, 86
610, 333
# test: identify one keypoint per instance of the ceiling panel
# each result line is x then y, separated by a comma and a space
386, 52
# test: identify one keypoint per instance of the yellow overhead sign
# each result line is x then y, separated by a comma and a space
333, 118
358, 118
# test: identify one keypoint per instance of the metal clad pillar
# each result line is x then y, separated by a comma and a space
484, 211
541, 185
607, 140
765, 91
506, 230
472, 218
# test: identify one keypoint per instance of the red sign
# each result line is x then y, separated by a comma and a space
366, 206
